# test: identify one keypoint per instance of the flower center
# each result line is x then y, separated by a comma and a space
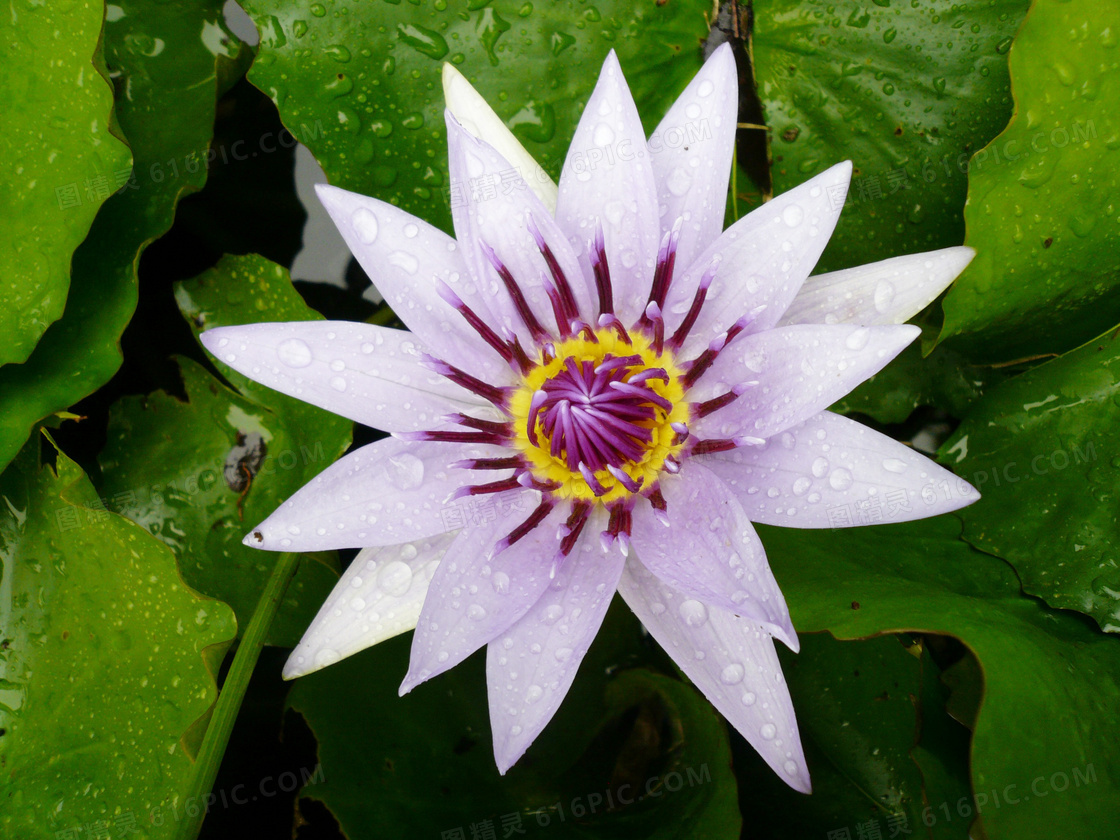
600, 415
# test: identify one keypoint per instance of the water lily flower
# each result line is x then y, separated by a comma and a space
599, 390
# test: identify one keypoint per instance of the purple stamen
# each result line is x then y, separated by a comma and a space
512, 463
631, 484
479, 326
497, 395
597, 249
697, 303
663, 274
654, 319
528, 317
609, 320
716, 403
535, 519
563, 288
592, 482
482, 489
660, 508
572, 528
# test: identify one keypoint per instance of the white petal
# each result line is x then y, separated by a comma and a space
710, 551
475, 595
387, 493
607, 178
406, 258
763, 259
378, 596
799, 372
732, 661
831, 472
691, 153
370, 374
887, 292
530, 667
477, 117
493, 210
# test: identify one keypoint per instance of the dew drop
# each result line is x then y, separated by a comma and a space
338, 383
840, 479
533, 694
294, 353
395, 578
365, 225
406, 472
894, 465
793, 216
693, 612
820, 467
563, 654
603, 135
476, 612
748, 698
801, 486
884, 294
768, 731
552, 613
857, 339
404, 261
732, 674
679, 181
500, 582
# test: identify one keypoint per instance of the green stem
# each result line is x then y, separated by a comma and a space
216, 739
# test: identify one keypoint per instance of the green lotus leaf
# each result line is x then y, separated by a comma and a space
108, 661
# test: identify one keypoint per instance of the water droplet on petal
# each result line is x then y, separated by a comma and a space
294, 353
732, 674
404, 261
327, 656
603, 135
395, 578
500, 582
748, 698
801, 485
476, 612
365, 225
406, 471
820, 467
793, 215
533, 694
858, 339
840, 479
768, 731
894, 465
693, 612
884, 294
679, 181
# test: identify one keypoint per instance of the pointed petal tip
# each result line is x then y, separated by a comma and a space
449, 76
209, 338
291, 670
801, 782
